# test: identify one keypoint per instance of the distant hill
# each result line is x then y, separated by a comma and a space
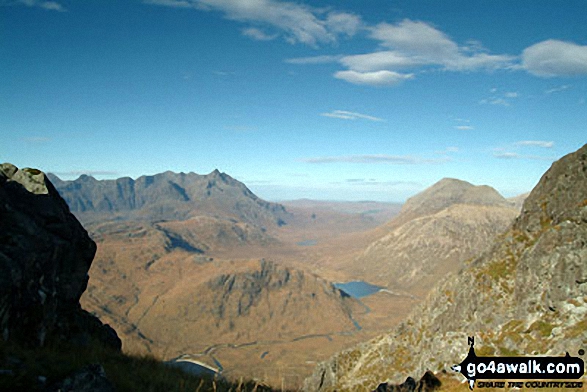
434, 233
168, 196
526, 295
445, 193
238, 316
377, 212
518, 201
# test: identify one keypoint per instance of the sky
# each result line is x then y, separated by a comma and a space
337, 100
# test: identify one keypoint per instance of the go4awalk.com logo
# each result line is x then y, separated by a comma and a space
521, 368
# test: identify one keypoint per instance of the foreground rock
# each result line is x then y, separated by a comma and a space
429, 382
527, 295
45, 255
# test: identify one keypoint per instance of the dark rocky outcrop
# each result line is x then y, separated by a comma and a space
45, 255
91, 378
428, 382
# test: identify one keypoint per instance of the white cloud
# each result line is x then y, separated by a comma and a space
495, 101
506, 155
343, 23
558, 89
313, 60
515, 155
377, 78
77, 173
425, 44
374, 182
464, 127
511, 95
448, 150
410, 45
555, 58
48, 5
535, 143
258, 35
37, 139
346, 115
378, 158
377, 61
297, 22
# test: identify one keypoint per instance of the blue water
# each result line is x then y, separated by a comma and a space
358, 288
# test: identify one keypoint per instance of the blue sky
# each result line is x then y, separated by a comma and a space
343, 100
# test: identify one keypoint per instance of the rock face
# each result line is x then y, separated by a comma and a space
45, 255
168, 196
526, 295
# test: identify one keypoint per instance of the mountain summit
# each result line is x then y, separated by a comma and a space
447, 192
435, 232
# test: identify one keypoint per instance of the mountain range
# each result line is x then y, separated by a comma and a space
177, 269
168, 196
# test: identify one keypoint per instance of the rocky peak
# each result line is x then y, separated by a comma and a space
561, 194
32, 180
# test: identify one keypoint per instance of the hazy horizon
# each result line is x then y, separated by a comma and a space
322, 100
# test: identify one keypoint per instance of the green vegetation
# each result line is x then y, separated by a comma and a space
542, 327
34, 172
127, 373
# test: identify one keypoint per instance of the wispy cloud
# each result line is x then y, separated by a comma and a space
346, 115
555, 58
240, 128
48, 5
376, 78
535, 143
297, 23
515, 155
410, 45
313, 59
507, 153
558, 89
495, 101
378, 158
76, 173
501, 99
36, 139
448, 150
464, 127
258, 35
374, 182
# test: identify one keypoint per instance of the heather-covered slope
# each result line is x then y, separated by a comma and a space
526, 295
